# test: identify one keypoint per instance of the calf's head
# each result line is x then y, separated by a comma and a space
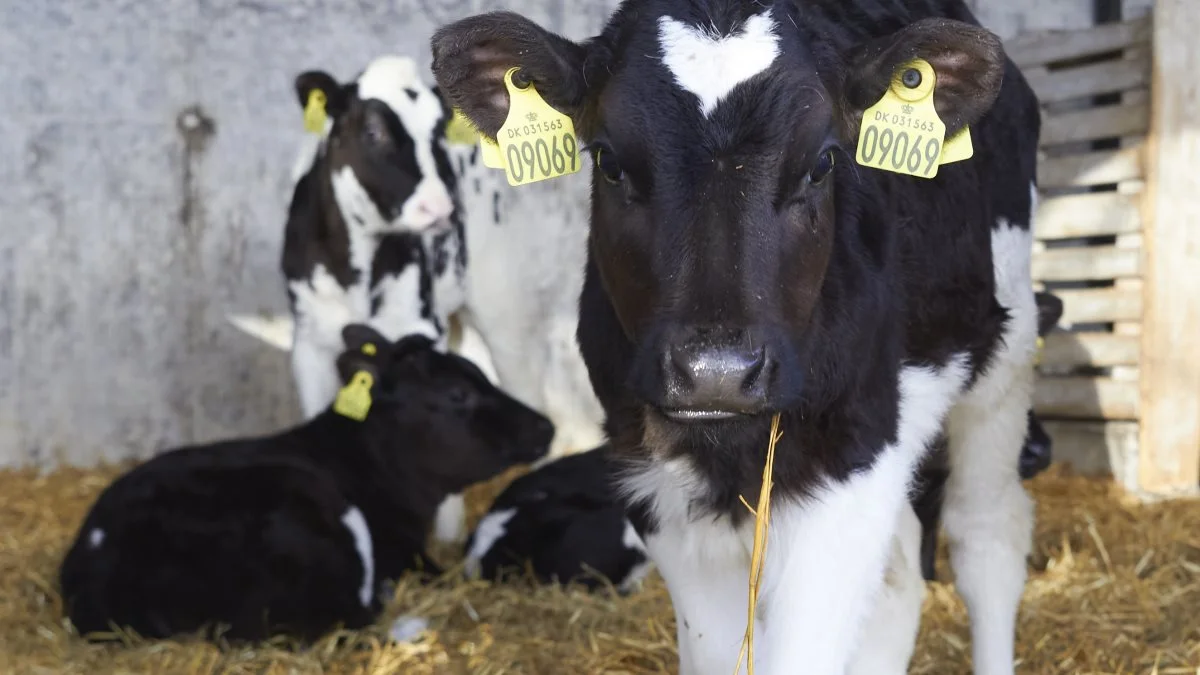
722, 136
440, 410
383, 143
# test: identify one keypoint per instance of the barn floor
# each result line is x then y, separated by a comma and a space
1115, 588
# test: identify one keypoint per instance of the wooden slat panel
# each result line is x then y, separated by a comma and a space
1100, 305
1086, 263
1086, 215
1092, 168
1108, 121
1063, 348
1086, 398
1036, 49
1095, 448
1106, 77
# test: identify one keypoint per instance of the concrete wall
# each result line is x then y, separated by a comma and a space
144, 157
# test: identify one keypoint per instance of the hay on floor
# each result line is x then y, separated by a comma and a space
1114, 588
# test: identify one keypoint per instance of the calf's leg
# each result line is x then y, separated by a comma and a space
988, 517
315, 370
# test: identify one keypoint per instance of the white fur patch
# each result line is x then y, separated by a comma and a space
487, 533
95, 538
710, 65
385, 79
322, 308
631, 540
399, 311
355, 522
450, 524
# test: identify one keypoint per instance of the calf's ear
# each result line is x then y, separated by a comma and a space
967, 60
319, 80
471, 56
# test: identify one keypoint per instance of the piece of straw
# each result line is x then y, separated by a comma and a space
762, 519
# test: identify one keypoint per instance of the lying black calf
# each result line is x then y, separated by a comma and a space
563, 520
931, 477
296, 533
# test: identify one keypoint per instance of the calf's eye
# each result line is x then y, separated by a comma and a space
822, 168
608, 165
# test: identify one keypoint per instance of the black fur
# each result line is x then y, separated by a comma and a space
248, 533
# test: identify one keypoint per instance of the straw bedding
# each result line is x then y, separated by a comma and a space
1114, 588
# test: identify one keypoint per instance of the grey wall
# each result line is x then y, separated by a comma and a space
127, 234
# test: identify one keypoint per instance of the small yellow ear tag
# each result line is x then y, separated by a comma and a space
489, 150
369, 349
958, 147
314, 112
459, 130
536, 142
902, 133
1037, 356
354, 399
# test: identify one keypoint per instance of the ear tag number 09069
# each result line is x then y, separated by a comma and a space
536, 142
902, 133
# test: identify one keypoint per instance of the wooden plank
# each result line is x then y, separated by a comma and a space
1100, 305
1092, 168
1169, 457
1086, 215
1106, 77
1096, 448
1095, 398
1097, 123
1063, 348
1045, 47
1086, 263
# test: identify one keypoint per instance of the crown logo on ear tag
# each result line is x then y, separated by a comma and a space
902, 133
314, 112
536, 142
354, 399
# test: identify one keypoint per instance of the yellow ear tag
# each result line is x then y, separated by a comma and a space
489, 151
354, 399
1037, 356
314, 112
369, 349
902, 133
459, 130
958, 147
536, 142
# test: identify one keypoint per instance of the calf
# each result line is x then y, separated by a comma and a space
742, 265
565, 521
372, 233
355, 250
1035, 457
297, 532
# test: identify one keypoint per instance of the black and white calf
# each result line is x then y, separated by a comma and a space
297, 532
372, 234
384, 217
565, 521
741, 264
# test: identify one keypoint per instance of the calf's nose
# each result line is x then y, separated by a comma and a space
705, 381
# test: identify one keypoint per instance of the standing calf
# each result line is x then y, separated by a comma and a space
742, 264
298, 532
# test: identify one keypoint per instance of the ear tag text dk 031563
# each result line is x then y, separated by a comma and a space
536, 142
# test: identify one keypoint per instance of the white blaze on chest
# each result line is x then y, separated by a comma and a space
710, 65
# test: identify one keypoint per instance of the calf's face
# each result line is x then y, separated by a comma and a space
723, 174
388, 166
457, 427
